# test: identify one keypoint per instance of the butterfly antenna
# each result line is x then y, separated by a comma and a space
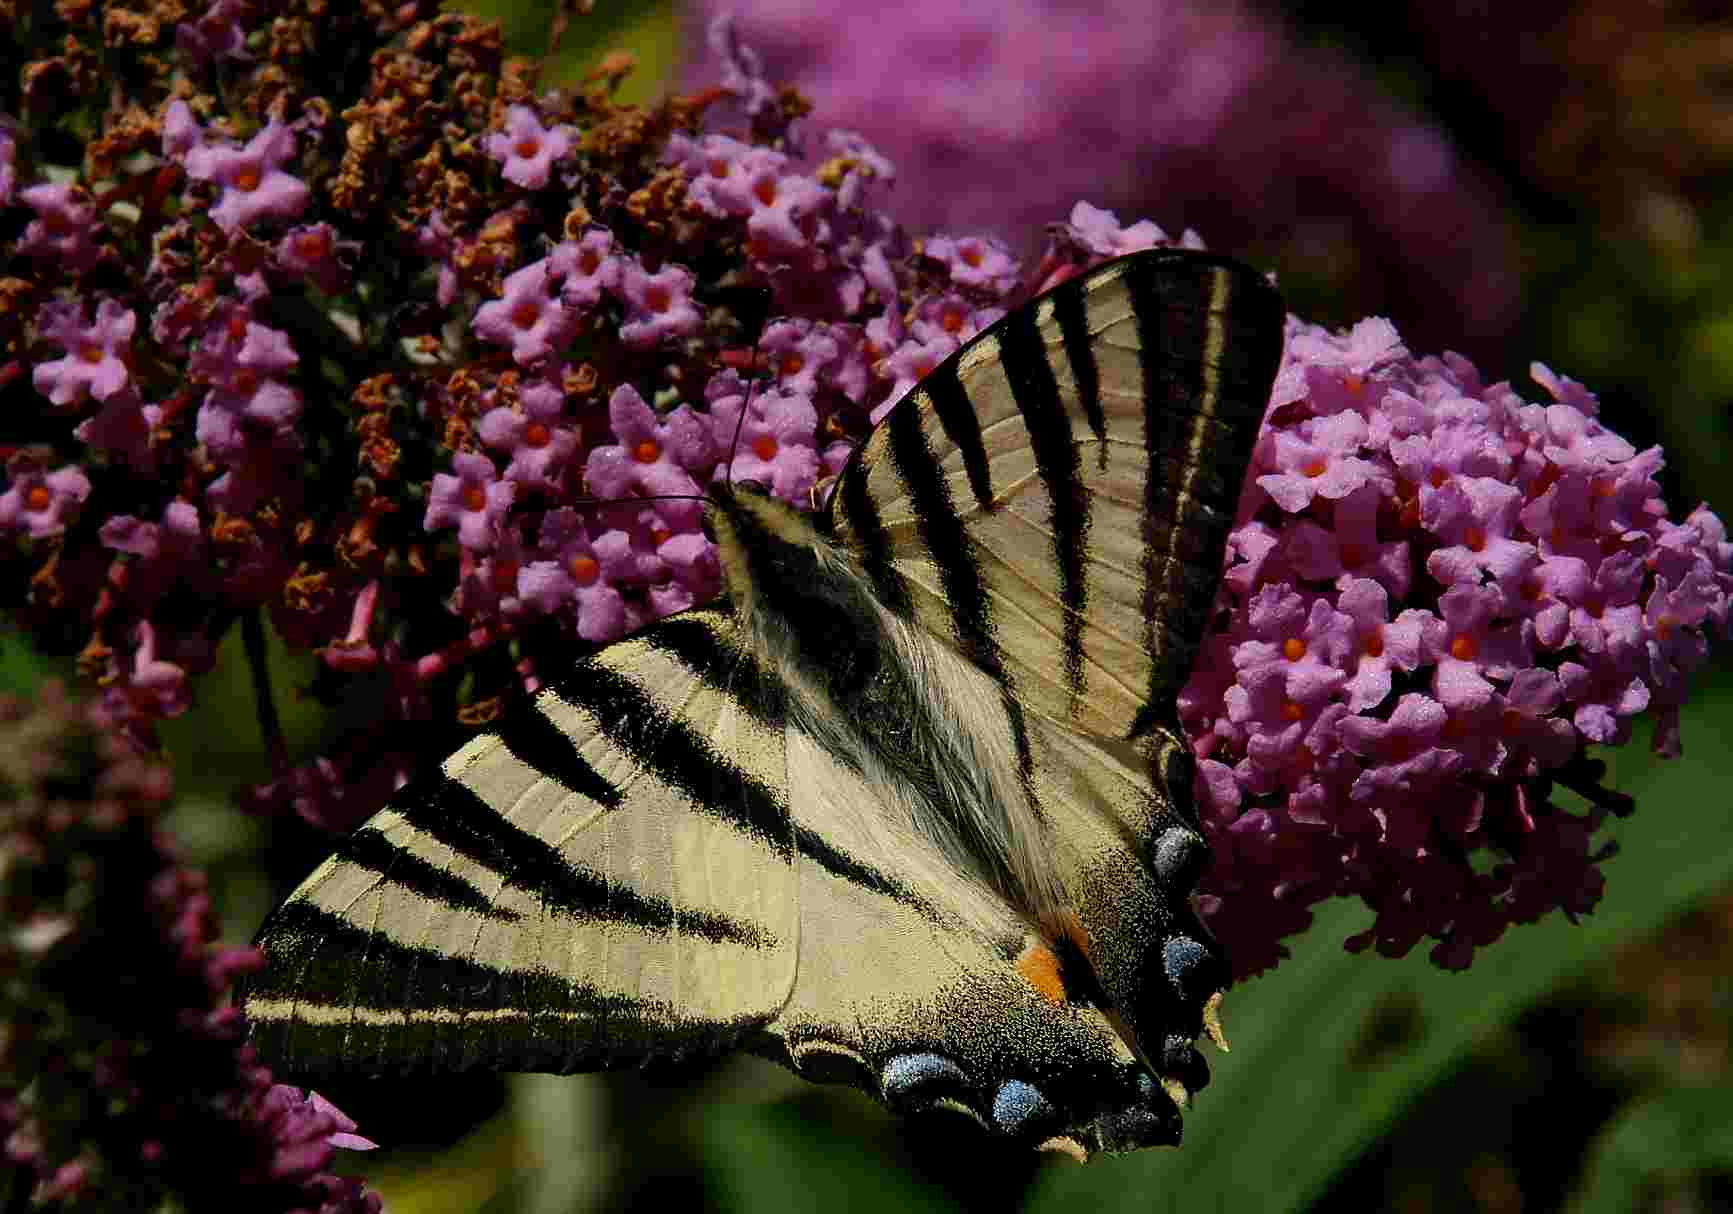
760, 312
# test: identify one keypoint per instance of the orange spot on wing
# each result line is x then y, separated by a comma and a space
1039, 965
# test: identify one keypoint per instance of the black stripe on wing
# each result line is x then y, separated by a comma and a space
545, 748
676, 754
1023, 355
872, 542
369, 848
338, 998
1072, 316
956, 413
959, 568
456, 815
692, 639
1210, 336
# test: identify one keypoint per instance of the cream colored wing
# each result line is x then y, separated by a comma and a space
605, 877
1056, 498
926, 990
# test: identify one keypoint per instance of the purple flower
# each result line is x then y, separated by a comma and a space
1319, 459
528, 319
527, 149
8, 168
473, 501
1476, 647
311, 251
774, 445
218, 33
533, 434
574, 573
42, 503
1196, 106
652, 457
797, 352
1380, 645
95, 353
658, 306
975, 261
255, 184
123, 429
587, 268
65, 227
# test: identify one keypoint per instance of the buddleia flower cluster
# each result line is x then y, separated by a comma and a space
334, 316
124, 1079
1440, 595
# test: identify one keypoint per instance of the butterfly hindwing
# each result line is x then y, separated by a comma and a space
605, 877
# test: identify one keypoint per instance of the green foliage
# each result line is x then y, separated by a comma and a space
1656, 1147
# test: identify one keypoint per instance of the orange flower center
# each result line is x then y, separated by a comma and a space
1475, 539
237, 325
1374, 644
91, 354
1354, 383
1292, 711
658, 297
660, 536
525, 315
527, 149
1437, 477
765, 190
38, 498
314, 245
718, 167
1463, 648
475, 498
764, 447
647, 452
1664, 627
970, 256
952, 320
537, 434
1293, 649
584, 569
247, 180
1316, 468
792, 364
589, 261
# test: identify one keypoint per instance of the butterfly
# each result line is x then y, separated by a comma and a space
909, 808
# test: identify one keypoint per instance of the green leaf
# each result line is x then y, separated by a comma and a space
1678, 1134
1330, 1049
775, 1157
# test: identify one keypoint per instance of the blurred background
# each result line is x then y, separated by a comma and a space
1518, 181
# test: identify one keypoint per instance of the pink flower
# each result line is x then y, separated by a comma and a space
652, 457
255, 184
473, 500
527, 149
94, 361
42, 503
658, 306
532, 322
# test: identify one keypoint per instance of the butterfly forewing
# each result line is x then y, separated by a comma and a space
607, 876
1056, 498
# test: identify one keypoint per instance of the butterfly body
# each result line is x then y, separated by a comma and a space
910, 809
